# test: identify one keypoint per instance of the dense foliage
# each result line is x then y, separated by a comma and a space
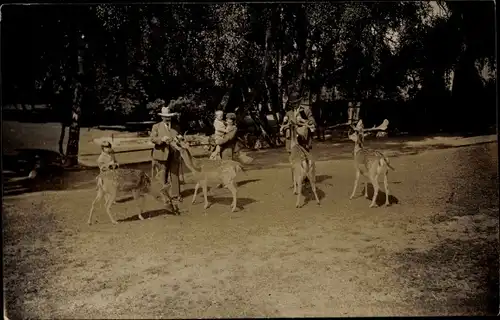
400, 57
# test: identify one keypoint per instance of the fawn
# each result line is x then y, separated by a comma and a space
206, 170
369, 163
303, 164
109, 183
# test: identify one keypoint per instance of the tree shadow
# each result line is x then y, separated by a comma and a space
381, 195
149, 215
446, 270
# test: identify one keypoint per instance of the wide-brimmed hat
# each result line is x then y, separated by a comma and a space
231, 116
294, 97
165, 112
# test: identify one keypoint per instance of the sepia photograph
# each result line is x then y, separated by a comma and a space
253, 159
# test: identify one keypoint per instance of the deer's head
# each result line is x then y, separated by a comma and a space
180, 144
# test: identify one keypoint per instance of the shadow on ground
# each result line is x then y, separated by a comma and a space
190, 192
380, 201
226, 201
322, 177
309, 195
26, 274
455, 277
381, 196
149, 215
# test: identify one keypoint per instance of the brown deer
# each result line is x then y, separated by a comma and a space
155, 168
302, 163
109, 183
206, 170
369, 163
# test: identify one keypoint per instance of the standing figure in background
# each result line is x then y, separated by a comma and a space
107, 160
302, 115
230, 148
220, 131
167, 157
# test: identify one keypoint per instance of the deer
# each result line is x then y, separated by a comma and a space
155, 168
301, 161
206, 170
109, 183
369, 163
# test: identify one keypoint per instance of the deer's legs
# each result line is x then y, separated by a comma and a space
386, 185
312, 181
109, 202
356, 180
195, 192
294, 184
97, 198
232, 187
366, 189
204, 186
375, 191
298, 182
137, 198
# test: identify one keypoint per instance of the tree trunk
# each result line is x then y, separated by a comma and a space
273, 103
267, 130
280, 81
74, 127
61, 137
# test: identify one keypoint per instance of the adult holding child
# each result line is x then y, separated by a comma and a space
167, 157
227, 143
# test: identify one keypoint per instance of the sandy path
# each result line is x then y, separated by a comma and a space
432, 253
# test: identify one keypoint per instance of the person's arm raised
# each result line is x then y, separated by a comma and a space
227, 137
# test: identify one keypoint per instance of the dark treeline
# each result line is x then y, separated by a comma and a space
404, 62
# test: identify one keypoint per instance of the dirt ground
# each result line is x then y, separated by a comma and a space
433, 252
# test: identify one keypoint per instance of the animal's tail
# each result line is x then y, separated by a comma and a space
385, 160
305, 165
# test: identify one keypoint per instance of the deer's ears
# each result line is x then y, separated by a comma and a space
353, 136
360, 125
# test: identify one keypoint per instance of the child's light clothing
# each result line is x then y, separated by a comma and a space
220, 131
106, 161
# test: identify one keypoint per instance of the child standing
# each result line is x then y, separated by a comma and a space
220, 129
107, 160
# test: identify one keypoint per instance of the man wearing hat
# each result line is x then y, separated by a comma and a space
167, 158
295, 106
